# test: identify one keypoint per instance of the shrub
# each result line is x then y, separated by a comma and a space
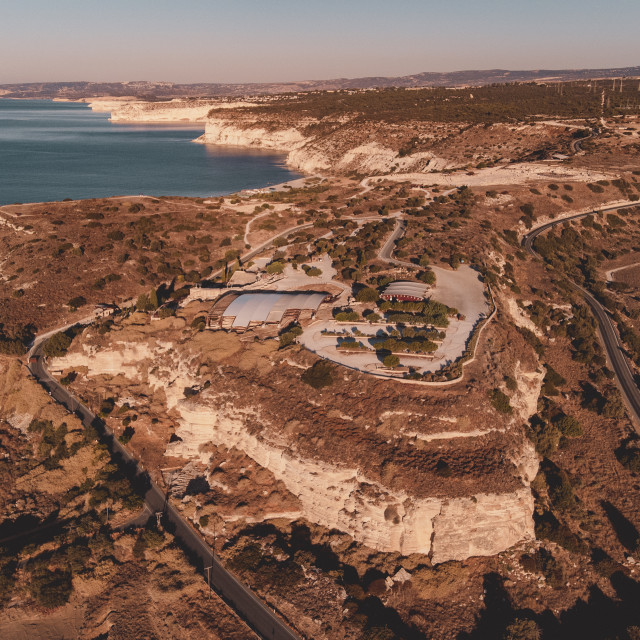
49, 588
286, 339
367, 294
443, 469
76, 303
552, 379
166, 312
347, 316
544, 435
500, 401
613, 407
319, 375
275, 267
569, 427
127, 434
522, 629
107, 406
69, 378
527, 209
199, 323
57, 345
629, 458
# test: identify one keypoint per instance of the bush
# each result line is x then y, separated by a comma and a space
551, 380
629, 458
319, 375
275, 267
522, 629
544, 435
500, 401
527, 209
69, 378
613, 407
76, 303
51, 589
347, 316
107, 406
199, 323
166, 312
286, 339
569, 427
127, 434
57, 345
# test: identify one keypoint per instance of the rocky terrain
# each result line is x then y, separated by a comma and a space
66, 568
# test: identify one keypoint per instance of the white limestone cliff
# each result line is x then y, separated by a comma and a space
331, 495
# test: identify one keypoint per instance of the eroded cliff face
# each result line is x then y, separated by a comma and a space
345, 499
332, 494
342, 150
174, 111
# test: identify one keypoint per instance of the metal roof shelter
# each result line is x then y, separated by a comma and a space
264, 307
405, 290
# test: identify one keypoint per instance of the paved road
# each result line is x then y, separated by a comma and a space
576, 143
612, 345
245, 603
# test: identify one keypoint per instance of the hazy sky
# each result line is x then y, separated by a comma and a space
281, 40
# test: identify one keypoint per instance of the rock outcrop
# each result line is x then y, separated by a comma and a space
344, 499
174, 111
339, 151
331, 494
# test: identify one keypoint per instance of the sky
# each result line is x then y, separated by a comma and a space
285, 40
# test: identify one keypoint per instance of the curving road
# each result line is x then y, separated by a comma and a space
608, 333
244, 602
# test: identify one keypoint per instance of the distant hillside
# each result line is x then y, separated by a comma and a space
163, 90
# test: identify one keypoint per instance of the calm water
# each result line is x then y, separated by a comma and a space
55, 150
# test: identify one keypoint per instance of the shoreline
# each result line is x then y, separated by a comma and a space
12, 208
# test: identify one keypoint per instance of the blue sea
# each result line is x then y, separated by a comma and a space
55, 150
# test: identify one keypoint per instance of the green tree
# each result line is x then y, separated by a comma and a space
57, 345
143, 302
275, 267
427, 276
153, 300
367, 294
391, 361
